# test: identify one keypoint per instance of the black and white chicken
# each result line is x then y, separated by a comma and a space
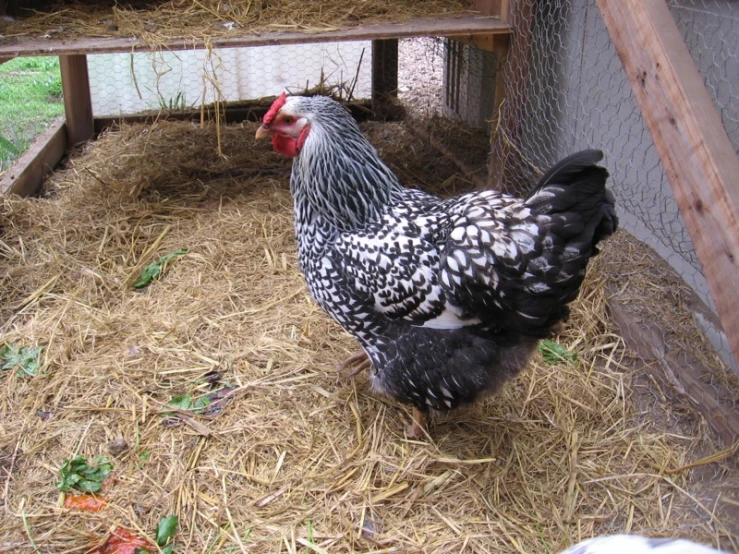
447, 297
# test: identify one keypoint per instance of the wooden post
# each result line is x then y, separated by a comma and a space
77, 100
384, 75
697, 155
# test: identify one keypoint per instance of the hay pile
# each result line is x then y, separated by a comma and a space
296, 457
159, 21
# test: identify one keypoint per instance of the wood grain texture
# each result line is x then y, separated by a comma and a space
77, 100
28, 172
696, 153
415, 28
679, 371
499, 8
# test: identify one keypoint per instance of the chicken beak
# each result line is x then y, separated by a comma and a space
263, 132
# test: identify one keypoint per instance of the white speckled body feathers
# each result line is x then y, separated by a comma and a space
447, 297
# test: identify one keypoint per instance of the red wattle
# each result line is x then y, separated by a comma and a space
287, 146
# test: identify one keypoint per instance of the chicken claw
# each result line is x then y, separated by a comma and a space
356, 363
417, 429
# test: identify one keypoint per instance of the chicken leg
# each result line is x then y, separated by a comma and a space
417, 428
356, 363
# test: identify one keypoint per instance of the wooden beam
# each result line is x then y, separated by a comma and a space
24, 178
471, 25
697, 155
680, 371
384, 75
498, 8
77, 100
233, 113
504, 10
489, 43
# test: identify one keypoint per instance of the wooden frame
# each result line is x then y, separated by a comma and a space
473, 25
27, 174
77, 98
81, 124
384, 75
696, 153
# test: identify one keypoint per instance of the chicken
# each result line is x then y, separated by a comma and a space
617, 544
447, 297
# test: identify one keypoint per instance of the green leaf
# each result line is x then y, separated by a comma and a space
78, 473
89, 486
554, 353
27, 360
166, 530
181, 402
309, 524
154, 269
185, 403
200, 404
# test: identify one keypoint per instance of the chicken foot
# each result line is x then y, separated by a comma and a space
417, 428
356, 364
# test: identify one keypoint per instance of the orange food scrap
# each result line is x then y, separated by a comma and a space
122, 541
84, 502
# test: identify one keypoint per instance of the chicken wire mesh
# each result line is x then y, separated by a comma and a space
566, 90
123, 84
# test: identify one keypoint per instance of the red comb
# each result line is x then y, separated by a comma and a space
274, 108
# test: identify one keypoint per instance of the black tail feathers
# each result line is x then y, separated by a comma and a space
573, 192
567, 169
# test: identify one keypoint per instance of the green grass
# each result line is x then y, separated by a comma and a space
30, 99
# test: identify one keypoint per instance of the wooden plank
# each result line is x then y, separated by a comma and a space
471, 25
697, 155
682, 372
489, 43
413, 28
24, 178
234, 113
77, 100
498, 8
504, 10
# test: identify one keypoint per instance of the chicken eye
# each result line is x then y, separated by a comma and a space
288, 120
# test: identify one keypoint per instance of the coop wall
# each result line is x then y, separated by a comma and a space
469, 76
573, 93
123, 84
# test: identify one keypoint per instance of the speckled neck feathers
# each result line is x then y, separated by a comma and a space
338, 171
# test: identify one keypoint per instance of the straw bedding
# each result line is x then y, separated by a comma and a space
156, 21
296, 457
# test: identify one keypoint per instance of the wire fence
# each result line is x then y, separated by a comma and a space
566, 90
131, 83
